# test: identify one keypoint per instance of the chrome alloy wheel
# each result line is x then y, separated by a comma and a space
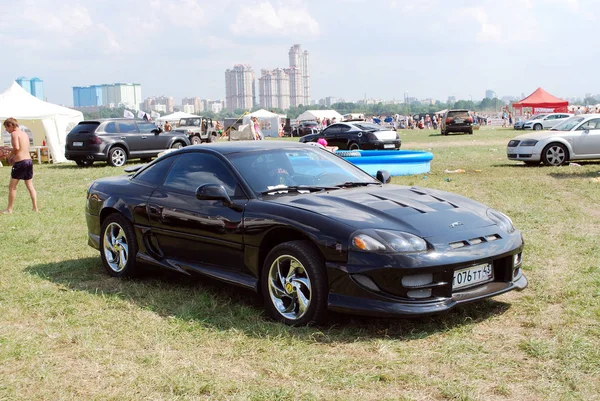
555, 155
118, 157
116, 250
289, 287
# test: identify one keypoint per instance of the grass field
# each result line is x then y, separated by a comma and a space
68, 331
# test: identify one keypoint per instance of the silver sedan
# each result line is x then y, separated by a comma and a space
577, 138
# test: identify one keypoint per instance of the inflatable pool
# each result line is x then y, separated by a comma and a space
396, 162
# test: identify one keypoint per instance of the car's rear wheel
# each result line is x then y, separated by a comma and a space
537, 127
177, 145
84, 162
353, 146
294, 284
470, 131
196, 140
555, 154
442, 132
118, 246
117, 156
213, 137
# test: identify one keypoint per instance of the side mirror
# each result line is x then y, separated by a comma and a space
156, 131
213, 192
383, 176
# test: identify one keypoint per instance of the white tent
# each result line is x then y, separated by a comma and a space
41, 117
269, 122
313, 115
174, 118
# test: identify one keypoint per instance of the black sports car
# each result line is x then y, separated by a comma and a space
306, 229
357, 135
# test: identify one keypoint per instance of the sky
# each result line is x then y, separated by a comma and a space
377, 49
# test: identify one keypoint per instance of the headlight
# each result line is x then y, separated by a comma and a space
529, 142
387, 241
502, 220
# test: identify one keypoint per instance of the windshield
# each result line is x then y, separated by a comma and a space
568, 124
189, 121
296, 167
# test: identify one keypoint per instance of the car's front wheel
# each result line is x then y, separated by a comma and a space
554, 154
294, 284
118, 246
537, 127
117, 156
177, 145
196, 140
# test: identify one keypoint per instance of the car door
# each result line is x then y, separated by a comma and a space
198, 232
586, 141
153, 141
331, 135
129, 133
549, 121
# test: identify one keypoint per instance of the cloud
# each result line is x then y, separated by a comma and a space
265, 19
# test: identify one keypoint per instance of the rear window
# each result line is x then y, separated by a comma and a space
85, 127
458, 113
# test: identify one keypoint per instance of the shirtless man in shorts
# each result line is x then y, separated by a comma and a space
23, 165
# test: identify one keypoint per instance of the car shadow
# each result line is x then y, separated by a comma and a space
223, 307
97, 165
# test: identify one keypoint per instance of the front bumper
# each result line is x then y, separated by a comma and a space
363, 287
526, 154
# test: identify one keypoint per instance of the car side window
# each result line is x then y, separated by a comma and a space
110, 128
146, 127
344, 128
127, 127
155, 174
590, 124
333, 130
194, 169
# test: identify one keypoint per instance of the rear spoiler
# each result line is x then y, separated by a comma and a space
133, 169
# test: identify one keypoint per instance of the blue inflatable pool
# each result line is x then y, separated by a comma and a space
396, 162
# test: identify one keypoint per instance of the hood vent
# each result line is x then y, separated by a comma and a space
474, 241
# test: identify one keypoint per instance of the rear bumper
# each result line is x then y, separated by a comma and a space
459, 128
381, 145
85, 155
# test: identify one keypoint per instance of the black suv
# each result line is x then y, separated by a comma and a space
118, 139
457, 121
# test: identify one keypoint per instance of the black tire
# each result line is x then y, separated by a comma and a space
84, 162
196, 140
177, 145
442, 133
309, 268
537, 127
470, 132
212, 137
121, 246
555, 154
146, 159
353, 146
117, 156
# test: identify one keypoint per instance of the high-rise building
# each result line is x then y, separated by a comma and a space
161, 103
239, 87
192, 101
34, 86
273, 89
108, 95
490, 94
299, 60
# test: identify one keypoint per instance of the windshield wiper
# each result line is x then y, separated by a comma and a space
296, 188
351, 184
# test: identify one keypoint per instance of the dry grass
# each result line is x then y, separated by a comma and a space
67, 331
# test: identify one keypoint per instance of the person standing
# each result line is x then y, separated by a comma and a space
167, 127
23, 165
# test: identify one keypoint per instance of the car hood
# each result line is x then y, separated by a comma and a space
537, 135
424, 212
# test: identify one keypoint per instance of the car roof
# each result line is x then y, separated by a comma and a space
242, 146
101, 120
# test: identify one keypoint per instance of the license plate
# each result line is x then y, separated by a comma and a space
77, 143
458, 121
472, 275
388, 146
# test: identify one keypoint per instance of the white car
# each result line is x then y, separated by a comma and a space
546, 121
577, 138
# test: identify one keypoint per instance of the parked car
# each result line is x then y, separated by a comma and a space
306, 229
357, 135
457, 121
545, 121
305, 128
198, 129
117, 140
6, 139
577, 138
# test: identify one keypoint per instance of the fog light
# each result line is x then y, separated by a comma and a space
423, 293
417, 280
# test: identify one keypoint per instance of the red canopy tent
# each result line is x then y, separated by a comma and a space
541, 101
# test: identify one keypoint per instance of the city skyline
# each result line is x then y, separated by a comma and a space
432, 49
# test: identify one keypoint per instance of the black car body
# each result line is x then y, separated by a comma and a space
117, 140
357, 135
306, 128
306, 229
457, 121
